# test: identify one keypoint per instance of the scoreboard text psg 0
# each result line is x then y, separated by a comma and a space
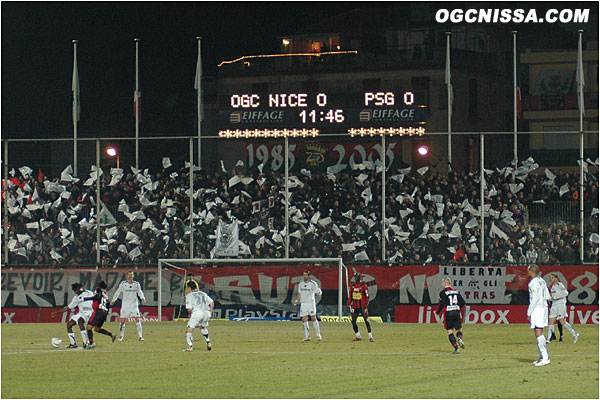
260, 115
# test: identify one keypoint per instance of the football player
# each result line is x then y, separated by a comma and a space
82, 316
537, 312
308, 307
200, 308
558, 310
358, 301
132, 293
99, 315
451, 301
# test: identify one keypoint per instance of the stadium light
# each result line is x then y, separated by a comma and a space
112, 151
423, 150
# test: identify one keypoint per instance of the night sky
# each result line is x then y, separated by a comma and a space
37, 59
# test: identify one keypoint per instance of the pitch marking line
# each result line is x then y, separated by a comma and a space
375, 354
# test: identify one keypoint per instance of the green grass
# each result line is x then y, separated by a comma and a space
267, 360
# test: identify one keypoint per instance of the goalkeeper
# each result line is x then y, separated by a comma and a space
358, 301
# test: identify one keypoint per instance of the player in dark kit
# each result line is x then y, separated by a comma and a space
358, 300
451, 301
100, 314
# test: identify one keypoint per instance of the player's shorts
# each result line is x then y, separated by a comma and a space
127, 312
452, 321
98, 318
198, 318
359, 311
308, 309
538, 318
558, 311
81, 314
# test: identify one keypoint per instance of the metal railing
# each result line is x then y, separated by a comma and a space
568, 213
558, 212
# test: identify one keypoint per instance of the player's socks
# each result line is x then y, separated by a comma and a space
138, 326
550, 331
541, 342
84, 336
354, 325
306, 331
72, 338
560, 330
368, 325
104, 332
121, 330
205, 334
570, 329
189, 338
370, 335
317, 329
90, 334
453, 340
358, 335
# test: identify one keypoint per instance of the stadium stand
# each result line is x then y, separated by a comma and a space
431, 218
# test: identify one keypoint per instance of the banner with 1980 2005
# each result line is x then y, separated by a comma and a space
267, 291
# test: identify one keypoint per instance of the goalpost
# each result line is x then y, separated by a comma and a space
204, 262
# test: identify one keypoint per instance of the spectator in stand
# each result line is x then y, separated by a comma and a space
431, 218
532, 254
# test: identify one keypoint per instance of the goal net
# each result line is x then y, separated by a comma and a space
262, 288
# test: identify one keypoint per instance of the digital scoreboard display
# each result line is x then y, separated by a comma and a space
249, 115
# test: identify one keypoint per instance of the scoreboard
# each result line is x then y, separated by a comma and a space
264, 115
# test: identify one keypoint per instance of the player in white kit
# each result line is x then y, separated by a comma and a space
132, 292
84, 312
200, 308
537, 313
308, 306
558, 310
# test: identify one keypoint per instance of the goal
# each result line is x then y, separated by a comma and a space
262, 287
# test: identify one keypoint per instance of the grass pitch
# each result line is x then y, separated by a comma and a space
267, 360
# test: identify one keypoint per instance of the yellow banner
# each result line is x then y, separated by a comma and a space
331, 318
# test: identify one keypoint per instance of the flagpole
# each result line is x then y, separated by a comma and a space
75, 89
383, 222
449, 87
481, 196
5, 217
580, 84
191, 197
97, 201
515, 153
287, 200
136, 97
199, 94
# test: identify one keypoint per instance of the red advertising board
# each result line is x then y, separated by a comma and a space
20, 315
490, 314
270, 288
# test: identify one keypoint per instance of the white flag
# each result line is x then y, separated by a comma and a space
75, 89
106, 217
579, 78
198, 83
448, 80
563, 189
362, 256
227, 243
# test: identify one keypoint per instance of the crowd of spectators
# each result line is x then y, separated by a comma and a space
430, 218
